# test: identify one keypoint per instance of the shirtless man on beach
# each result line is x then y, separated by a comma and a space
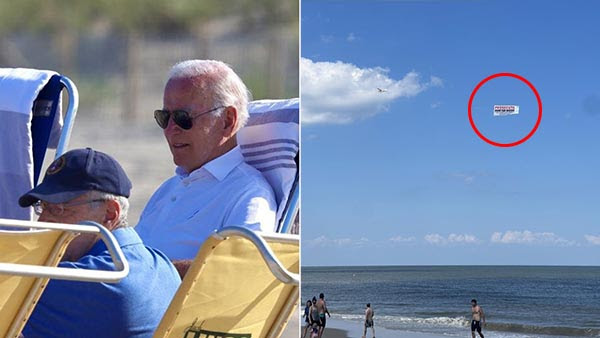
369, 313
478, 318
322, 309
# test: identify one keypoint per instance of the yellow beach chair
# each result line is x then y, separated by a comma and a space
29, 258
242, 284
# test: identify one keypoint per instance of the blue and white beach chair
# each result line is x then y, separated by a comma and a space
30, 106
270, 143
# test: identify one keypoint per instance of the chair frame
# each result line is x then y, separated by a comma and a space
121, 264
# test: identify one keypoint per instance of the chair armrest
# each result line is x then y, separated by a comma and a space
121, 264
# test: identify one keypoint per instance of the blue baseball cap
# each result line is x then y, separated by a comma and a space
77, 172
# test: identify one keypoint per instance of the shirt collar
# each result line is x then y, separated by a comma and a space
219, 167
124, 236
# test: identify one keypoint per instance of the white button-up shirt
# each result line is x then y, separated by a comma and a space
187, 208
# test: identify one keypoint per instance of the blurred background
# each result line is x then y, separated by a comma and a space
118, 53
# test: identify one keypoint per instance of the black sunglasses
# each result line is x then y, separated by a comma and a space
181, 117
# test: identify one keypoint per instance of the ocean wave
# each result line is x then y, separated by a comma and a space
427, 323
455, 322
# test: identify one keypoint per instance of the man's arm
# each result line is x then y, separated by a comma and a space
325, 308
482, 315
182, 266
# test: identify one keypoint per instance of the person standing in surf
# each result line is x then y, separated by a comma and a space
322, 308
478, 318
369, 313
306, 316
315, 322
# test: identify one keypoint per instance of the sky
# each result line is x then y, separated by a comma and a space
401, 178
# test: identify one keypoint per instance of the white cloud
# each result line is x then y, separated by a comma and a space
435, 105
529, 237
401, 239
434, 238
595, 240
351, 37
438, 239
338, 92
323, 241
436, 81
326, 38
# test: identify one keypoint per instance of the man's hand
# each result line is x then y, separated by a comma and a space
182, 266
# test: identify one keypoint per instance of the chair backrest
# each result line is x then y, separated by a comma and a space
241, 284
30, 104
19, 294
270, 143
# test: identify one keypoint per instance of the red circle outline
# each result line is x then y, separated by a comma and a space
537, 123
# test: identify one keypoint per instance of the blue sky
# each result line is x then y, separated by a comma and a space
401, 178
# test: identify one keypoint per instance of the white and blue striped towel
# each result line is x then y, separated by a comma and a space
270, 143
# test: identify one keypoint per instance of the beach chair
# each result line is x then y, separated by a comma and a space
29, 258
30, 106
242, 284
270, 143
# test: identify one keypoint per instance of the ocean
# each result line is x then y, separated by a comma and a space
518, 301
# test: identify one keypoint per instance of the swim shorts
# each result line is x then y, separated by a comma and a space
322, 319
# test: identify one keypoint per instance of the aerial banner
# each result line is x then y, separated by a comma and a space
505, 109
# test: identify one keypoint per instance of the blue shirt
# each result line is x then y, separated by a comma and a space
131, 308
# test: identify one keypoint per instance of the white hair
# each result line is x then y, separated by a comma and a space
122, 200
225, 85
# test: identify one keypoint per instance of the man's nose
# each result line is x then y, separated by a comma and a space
172, 127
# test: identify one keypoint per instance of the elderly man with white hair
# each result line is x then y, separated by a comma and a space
204, 105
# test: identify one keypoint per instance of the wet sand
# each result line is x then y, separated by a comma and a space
337, 328
335, 333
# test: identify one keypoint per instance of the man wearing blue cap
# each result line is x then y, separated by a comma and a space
84, 184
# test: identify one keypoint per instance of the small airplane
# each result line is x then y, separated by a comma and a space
381, 90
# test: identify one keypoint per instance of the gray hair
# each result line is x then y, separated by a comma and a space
225, 85
122, 200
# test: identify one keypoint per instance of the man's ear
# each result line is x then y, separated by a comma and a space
230, 120
112, 214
